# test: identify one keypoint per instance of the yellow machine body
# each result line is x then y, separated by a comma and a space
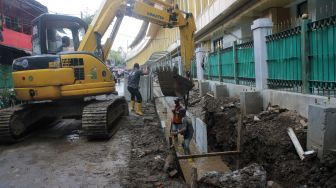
75, 75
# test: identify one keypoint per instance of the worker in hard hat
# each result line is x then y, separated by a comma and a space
177, 118
187, 130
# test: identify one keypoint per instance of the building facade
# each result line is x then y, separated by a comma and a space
219, 23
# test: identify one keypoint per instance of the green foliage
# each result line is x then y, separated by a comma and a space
116, 57
87, 17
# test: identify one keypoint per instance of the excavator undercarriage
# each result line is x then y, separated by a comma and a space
99, 117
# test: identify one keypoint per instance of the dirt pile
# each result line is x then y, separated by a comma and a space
149, 153
265, 141
253, 176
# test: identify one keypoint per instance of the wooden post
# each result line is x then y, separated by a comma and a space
193, 177
208, 154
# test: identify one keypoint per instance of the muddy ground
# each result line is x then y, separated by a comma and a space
58, 155
264, 140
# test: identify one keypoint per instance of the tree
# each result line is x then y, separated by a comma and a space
117, 57
87, 17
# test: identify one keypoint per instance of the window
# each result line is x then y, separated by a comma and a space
302, 8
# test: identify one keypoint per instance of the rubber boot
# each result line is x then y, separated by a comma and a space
131, 103
138, 109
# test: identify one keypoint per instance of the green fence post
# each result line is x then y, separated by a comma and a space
219, 65
304, 56
235, 62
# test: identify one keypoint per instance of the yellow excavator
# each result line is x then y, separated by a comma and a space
67, 72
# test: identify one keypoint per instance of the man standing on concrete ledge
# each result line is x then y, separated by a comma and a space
187, 130
133, 88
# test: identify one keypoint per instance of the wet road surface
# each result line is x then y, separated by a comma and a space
60, 156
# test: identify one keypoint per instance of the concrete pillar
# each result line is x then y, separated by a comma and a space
180, 66
251, 102
321, 129
261, 28
200, 55
126, 93
221, 91
204, 87
145, 88
144, 85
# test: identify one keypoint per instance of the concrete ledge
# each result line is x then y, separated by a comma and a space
233, 90
204, 87
250, 102
321, 129
221, 91
294, 101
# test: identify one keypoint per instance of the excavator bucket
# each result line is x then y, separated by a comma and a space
172, 84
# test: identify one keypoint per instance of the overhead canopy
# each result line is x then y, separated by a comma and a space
156, 56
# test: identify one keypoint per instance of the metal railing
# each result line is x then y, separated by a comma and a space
303, 59
234, 64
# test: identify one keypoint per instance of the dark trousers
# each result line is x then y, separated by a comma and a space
135, 94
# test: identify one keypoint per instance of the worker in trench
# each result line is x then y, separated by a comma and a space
187, 130
176, 119
133, 88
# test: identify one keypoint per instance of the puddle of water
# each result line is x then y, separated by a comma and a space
74, 137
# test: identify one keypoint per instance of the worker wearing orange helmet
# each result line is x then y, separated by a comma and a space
177, 117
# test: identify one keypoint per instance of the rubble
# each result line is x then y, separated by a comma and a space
252, 176
264, 140
152, 162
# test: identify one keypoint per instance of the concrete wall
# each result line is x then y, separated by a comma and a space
200, 128
233, 89
293, 101
145, 89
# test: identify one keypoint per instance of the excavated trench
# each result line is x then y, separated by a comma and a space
264, 141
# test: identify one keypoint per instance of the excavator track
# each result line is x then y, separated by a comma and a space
10, 129
99, 117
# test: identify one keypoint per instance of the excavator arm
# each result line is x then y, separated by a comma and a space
165, 15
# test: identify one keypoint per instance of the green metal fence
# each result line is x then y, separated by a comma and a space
322, 56
245, 64
212, 67
234, 64
227, 65
284, 60
6, 76
303, 59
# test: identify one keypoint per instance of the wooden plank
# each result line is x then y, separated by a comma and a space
296, 143
193, 177
208, 154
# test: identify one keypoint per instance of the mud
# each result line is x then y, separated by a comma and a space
149, 155
59, 155
264, 140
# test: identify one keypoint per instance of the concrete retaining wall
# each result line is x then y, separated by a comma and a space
293, 101
146, 88
200, 129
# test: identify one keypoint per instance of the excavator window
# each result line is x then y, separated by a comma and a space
53, 34
62, 37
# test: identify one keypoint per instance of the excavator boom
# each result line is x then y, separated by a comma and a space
167, 16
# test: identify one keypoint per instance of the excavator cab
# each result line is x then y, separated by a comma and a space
53, 34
